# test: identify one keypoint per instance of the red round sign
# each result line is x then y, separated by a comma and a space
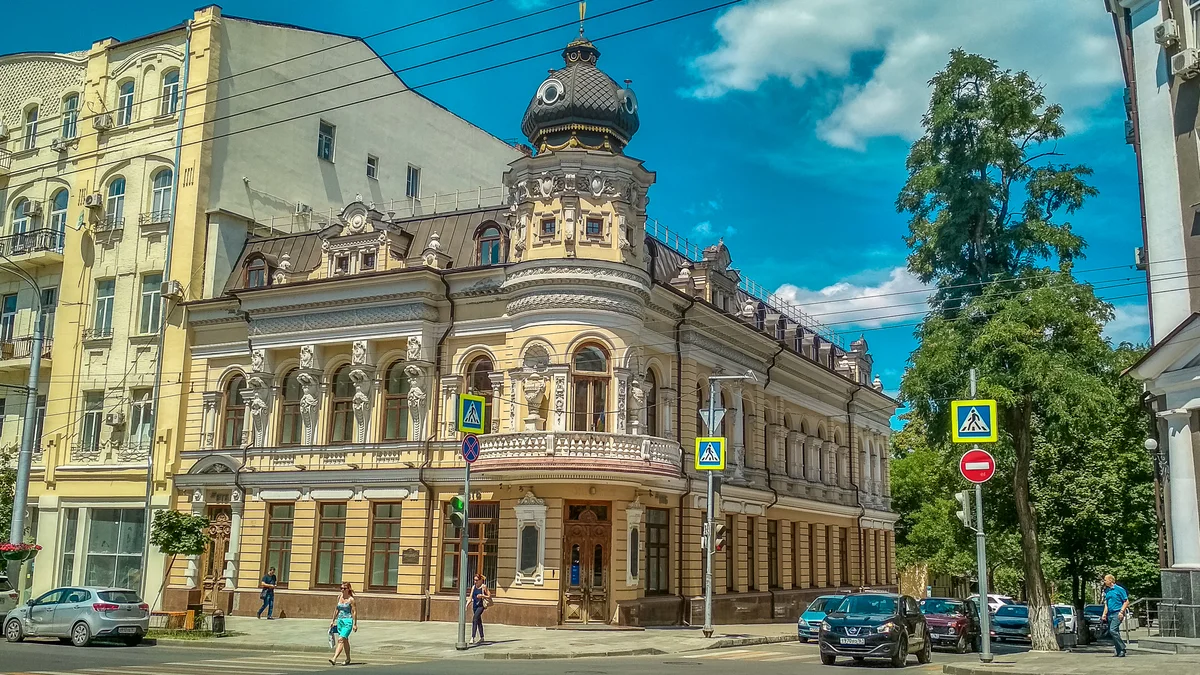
977, 466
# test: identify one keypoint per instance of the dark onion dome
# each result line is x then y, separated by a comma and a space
581, 107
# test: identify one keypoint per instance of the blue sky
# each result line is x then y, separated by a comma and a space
780, 125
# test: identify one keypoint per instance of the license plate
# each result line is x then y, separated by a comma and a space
854, 641
127, 631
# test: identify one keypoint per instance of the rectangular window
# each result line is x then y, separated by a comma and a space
93, 417
279, 540
331, 544
31, 125
830, 558
593, 227
325, 135
752, 553
372, 167
812, 556
412, 184
170, 93
547, 227
367, 262
125, 104
482, 545
8, 317
658, 561
102, 326
844, 557
49, 308
795, 555
66, 574
141, 418
70, 117
772, 554
341, 264
730, 555
114, 548
151, 303
385, 545
41, 420
2, 417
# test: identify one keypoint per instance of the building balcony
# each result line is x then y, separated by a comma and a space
391, 454
160, 217
579, 450
114, 451
5, 162
36, 248
15, 354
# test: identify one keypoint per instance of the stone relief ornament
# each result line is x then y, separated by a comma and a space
309, 387
258, 360
307, 356
358, 353
535, 388
414, 349
560, 400
361, 402
259, 393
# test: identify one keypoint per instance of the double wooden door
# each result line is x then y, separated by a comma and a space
587, 542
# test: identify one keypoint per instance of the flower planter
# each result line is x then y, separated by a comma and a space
19, 552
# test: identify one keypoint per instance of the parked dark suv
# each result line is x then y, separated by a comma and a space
875, 626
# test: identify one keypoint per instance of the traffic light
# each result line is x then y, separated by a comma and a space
458, 511
964, 507
719, 536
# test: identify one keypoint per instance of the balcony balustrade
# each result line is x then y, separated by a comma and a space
21, 348
556, 450
34, 248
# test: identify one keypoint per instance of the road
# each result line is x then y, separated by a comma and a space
51, 658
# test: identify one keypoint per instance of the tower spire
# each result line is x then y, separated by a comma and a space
582, 14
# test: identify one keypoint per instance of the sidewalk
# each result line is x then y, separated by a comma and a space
436, 639
1082, 661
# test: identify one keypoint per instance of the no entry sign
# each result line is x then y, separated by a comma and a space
977, 466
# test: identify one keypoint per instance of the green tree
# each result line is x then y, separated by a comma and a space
8, 486
176, 533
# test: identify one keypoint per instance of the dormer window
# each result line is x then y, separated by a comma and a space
548, 227
760, 317
781, 329
367, 262
593, 227
257, 274
490, 246
341, 264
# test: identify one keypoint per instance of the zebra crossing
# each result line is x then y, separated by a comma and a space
768, 655
264, 664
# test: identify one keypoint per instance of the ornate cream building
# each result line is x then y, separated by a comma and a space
320, 396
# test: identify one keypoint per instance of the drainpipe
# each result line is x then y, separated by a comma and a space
774, 492
862, 510
434, 413
162, 320
679, 439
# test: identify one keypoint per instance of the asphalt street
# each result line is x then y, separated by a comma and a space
51, 658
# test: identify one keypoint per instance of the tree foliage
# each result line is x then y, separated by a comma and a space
8, 486
179, 533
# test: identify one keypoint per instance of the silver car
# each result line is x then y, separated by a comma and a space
80, 614
8, 596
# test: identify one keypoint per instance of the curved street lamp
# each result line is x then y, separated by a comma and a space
25, 457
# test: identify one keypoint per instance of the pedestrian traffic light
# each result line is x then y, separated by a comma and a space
458, 511
718, 536
964, 507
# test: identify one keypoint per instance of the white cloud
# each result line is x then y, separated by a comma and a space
1131, 323
1067, 44
847, 303
704, 231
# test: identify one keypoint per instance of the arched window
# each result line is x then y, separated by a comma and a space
114, 208
651, 404
235, 413
341, 409
70, 116
170, 92
31, 124
20, 217
479, 383
161, 197
395, 403
291, 428
257, 275
125, 103
489, 246
590, 374
58, 213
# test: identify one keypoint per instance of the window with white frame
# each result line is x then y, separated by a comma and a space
58, 215
141, 419
114, 207
412, 183
125, 103
70, 116
114, 547
8, 317
372, 167
170, 92
102, 325
49, 308
325, 137
21, 218
66, 575
31, 125
161, 197
151, 303
93, 417
40, 424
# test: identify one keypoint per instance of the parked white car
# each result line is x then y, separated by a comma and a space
994, 601
8, 595
1067, 613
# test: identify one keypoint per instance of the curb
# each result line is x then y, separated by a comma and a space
527, 656
950, 669
726, 643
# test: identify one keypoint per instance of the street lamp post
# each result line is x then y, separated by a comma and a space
21, 493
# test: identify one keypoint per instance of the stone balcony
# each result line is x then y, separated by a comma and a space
579, 450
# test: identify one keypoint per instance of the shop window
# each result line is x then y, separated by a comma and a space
114, 548
280, 519
385, 544
772, 554
658, 561
752, 553
482, 545
331, 544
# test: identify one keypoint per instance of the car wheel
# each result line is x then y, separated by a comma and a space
81, 635
961, 647
804, 639
65, 641
828, 659
926, 654
132, 641
901, 656
13, 631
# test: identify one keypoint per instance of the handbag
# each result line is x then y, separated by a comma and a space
263, 594
332, 632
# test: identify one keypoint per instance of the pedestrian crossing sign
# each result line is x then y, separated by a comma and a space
710, 454
470, 413
973, 422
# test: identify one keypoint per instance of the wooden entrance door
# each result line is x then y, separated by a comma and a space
212, 563
587, 542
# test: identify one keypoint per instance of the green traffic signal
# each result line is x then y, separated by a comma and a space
458, 511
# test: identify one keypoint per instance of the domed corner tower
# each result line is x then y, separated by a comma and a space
579, 196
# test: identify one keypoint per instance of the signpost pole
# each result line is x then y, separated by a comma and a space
708, 526
463, 543
985, 620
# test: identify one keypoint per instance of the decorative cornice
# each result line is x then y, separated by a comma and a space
595, 301
364, 316
723, 349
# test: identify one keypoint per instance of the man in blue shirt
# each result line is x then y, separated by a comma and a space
269, 581
1116, 601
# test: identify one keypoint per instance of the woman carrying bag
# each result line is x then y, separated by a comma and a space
345, 621
481, 598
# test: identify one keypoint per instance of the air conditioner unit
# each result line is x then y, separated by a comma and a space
3, 131
1186, 63
94, 201
1167, 32
34, 209
302, 208
102, 122
59, 144
171, 290
115, 419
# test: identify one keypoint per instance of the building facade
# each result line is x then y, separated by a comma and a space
1159, 42
320, 434
128, 172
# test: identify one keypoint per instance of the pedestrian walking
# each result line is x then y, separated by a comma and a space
345, 621
481, 598
1116, 601
268, 583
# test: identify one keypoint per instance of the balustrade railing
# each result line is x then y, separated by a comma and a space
33, 241
580, 445
22, 348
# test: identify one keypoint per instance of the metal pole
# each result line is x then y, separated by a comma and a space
463, 542
16, 534
985, 620
709, 526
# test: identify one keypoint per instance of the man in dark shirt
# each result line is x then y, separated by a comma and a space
269, 582
1116, 602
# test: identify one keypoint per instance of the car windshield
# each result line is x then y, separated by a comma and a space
868, 604
120, 597
1093, 610
1065, 611
941, 606
825, 605
1013, 610
1007, 601
4, 585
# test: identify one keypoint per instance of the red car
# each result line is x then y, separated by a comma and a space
952, 623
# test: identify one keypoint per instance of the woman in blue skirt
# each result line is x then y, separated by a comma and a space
345, 621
